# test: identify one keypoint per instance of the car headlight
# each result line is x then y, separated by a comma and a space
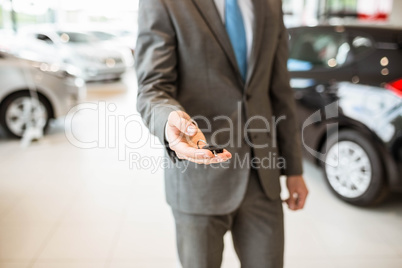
59, 71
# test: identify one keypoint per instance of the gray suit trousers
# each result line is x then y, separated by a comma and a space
256, 227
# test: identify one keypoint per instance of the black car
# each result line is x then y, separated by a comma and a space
348, 86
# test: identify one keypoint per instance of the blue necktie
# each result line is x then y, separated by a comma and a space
237, 34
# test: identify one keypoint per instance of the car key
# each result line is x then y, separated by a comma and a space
214, 149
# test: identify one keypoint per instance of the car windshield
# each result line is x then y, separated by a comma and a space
75, 37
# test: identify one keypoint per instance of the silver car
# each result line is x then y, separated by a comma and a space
31, 93
96, 60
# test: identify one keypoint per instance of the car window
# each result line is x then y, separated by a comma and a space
317, 49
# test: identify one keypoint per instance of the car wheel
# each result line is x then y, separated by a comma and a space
21, 110
353, 169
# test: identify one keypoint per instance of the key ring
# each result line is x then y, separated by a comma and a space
198, 143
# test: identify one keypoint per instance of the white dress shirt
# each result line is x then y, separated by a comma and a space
247, 11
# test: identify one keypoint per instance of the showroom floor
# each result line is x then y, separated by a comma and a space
66, 204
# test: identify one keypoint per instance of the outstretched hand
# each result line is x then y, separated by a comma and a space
182, 135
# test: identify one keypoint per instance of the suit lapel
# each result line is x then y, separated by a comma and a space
259, 24
211, 15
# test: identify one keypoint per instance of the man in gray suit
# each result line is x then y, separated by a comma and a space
216, 71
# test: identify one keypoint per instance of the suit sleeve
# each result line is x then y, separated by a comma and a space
156, 62
283, 103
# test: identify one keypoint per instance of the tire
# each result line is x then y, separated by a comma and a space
14, 117
358, 177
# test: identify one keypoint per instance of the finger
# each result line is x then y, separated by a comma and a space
205, 161
226, 154
291, 201
201, 161
195, 160
202, 157
183, 124
301, 200
222, 157
186, 150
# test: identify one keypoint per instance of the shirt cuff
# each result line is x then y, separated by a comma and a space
166, 134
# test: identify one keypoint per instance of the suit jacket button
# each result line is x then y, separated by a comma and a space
248, 96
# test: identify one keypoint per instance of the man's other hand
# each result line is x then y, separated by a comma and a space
182, 135
297, 192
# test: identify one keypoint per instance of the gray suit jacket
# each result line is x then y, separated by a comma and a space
185, 61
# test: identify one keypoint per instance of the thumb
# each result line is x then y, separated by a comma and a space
183, 123
291, 201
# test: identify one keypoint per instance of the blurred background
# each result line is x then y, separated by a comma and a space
81, 179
